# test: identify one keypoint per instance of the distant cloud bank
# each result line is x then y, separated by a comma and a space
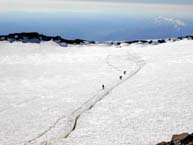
178, 24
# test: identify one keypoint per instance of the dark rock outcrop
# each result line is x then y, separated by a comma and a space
33, 37
153, 42
181, 139
156, 42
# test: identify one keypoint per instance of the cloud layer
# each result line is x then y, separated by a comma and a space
178, 24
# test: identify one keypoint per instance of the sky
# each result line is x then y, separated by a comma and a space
156, 1
54, 5
98, 19
132, 7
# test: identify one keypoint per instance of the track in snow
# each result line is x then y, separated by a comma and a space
72, 120
139, 63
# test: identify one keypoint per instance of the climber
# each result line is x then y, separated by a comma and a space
103, 87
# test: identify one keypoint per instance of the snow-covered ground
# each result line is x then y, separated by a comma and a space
53, 94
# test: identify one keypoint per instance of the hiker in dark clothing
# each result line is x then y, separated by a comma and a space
121, 77
124, 72
103, 87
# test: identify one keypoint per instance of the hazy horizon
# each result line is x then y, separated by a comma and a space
98, 20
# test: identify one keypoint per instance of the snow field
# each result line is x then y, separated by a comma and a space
42, 84
148, 108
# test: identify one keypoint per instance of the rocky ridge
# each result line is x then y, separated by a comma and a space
180, 139
34, 37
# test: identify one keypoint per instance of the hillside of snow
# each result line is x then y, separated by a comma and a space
53, 95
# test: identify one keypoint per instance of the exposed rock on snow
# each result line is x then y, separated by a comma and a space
181, 139
34, 37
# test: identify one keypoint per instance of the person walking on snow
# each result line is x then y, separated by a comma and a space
120, 77
124, 72
103, 87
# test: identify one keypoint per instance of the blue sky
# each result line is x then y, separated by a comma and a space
100, 20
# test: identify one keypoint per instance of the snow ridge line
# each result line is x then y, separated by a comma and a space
89, 104
43, 133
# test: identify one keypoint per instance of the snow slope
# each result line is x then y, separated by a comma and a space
52, 94
148, 108
43, 84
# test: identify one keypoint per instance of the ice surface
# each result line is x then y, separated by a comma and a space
41, 85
